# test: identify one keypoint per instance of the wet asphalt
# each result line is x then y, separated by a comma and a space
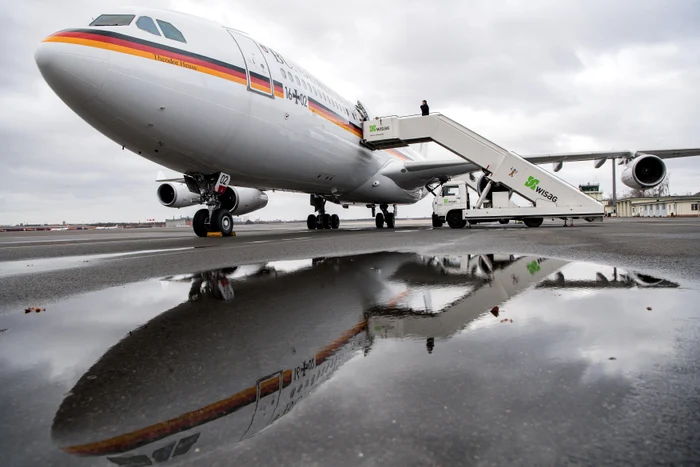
412, 346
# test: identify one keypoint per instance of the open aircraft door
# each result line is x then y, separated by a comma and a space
257, 70
268, 392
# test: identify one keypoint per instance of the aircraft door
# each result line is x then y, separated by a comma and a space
268, 391
259, 78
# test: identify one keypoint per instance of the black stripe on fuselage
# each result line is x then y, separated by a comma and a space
156, 45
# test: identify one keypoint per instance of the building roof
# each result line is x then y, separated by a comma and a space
654, 199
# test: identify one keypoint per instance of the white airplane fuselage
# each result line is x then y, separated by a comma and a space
219, 102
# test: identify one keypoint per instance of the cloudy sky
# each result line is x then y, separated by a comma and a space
534, 76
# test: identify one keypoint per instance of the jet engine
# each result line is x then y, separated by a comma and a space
644, 171
177, 195
240, 200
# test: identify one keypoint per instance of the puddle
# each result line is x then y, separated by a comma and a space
39, 265
191, 366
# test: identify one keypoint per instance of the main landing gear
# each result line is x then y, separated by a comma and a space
384, 217
216, 217
322, 220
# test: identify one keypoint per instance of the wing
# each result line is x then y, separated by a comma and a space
414, 174
590, 156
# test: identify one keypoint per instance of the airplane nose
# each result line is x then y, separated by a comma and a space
74, 72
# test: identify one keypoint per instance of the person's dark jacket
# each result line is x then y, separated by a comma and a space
425, 109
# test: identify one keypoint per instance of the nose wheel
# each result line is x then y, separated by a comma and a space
216, 217
220, 221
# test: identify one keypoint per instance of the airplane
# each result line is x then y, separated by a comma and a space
239, 358
238, 118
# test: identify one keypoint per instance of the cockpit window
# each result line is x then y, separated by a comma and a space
113, 20
170, 31
145, 23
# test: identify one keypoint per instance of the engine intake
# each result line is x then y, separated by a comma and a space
644, 171
177, 195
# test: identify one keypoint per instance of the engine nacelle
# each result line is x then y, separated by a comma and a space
177, 195
644, 171
240, 200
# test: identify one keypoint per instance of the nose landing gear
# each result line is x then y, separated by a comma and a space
216, 217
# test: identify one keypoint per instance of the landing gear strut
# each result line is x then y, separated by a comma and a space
322, 220
384, 217
216, 217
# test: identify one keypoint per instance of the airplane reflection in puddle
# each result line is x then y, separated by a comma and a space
251, 342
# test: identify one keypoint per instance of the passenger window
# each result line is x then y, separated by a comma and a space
303, 83
146, 24
170, 31
291, 77
298, 82
450, 191
284, 74
113, 20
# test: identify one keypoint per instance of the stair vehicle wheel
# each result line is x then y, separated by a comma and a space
455, 220
503, 221
379, 220
436, 221
222, 222
390, 221
335, 221
533, 221
311, 222
199, 222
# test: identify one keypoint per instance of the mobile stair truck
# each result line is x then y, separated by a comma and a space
505, 173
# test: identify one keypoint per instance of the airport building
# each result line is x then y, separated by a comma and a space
662, 206
181, 222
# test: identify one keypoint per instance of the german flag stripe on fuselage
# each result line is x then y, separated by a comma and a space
110, 40
186, 421
320, 109
279, 89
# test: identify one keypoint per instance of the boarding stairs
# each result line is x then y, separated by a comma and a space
550, 195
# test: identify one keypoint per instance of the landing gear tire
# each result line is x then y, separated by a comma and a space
325, 221
455, 220
199, 222
335, 221
533, 221
222, 221
311, 222
503, 221
379, 220
390, 221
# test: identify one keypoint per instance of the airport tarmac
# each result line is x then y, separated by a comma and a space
410, 346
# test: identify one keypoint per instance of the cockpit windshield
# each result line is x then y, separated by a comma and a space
113, 20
